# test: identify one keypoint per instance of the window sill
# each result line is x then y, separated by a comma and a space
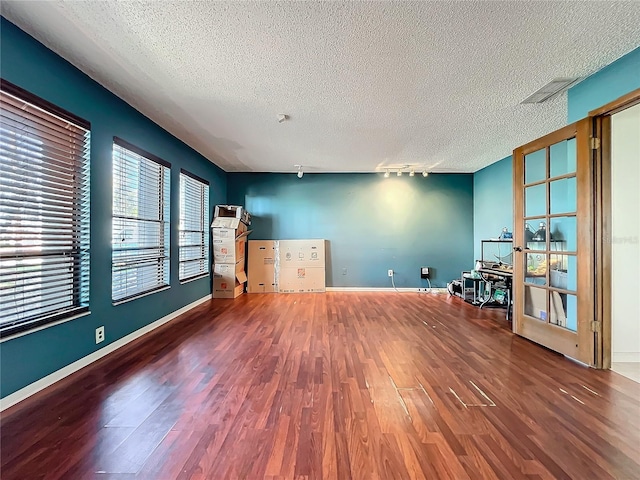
125, 300
192, 279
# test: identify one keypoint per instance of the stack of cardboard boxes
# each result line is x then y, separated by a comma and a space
287, 266
229, 231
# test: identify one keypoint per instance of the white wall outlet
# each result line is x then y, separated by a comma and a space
390, 273
100, 334
424, 271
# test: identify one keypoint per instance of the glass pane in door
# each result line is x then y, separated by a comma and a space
564, 235
535, 200
563, 272
563, 195
562, 158
535, 166
536, 269
564, 310
535, 302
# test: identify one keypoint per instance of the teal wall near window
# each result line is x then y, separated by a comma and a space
372, 223
604, 86
28, 64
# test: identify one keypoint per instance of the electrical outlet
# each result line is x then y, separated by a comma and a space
100, 334
390, 273
424, 272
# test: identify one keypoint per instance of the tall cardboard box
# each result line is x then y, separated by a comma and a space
302, 280
301, 253
261, 267
228, 280
301, 266
229, 238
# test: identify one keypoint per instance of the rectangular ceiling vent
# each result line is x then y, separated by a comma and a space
551, 89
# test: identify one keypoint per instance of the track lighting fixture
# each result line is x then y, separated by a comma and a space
386, 173
425, 174
412, 173
300, 172
399, 173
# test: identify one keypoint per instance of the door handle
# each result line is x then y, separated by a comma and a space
517, 249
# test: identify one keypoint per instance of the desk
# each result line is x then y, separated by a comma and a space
492, 276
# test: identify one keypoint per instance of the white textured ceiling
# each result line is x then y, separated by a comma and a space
366, 84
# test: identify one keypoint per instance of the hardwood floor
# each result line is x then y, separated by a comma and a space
330, 386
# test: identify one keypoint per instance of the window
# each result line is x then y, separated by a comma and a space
194, 233
44, 212
140, 235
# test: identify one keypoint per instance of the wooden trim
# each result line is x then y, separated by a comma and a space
603, 241
518, 237
40, 102
586, 270
622, 103
143, 153
554, 137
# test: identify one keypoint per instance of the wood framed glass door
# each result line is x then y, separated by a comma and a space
553, 242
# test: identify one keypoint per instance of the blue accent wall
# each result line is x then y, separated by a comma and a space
604, 86
493, 191
492, 202
28, 64
372, 223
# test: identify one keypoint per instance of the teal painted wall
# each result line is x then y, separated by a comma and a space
372, 223
493, 184
492, 202
28, 64
604, 86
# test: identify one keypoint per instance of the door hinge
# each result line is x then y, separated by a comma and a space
596, 327
595, 143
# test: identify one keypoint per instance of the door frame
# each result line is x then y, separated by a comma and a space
601, 118
561, 338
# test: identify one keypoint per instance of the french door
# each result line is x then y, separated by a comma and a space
553, 282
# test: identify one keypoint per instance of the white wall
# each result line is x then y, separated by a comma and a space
625, 239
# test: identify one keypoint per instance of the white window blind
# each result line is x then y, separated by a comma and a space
44, 212
140, 258
194, 232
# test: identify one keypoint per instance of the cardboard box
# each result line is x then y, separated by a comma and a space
228, 279
261, 266
233, 211
302, 280
301, 253
535, 305
228, 224
227, 247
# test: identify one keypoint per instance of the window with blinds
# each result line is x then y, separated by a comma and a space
140, 234
44, 212
194, 233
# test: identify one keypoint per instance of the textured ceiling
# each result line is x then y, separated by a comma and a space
435, 85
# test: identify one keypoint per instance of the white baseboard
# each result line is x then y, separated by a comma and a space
58, 375
625, 357
386, 289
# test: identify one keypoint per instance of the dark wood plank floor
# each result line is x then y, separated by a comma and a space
330, 386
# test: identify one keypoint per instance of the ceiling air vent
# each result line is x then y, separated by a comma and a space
551, 89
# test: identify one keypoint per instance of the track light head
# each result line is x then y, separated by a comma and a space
425, 174
412, 173
386, 173
300, 172
399, 173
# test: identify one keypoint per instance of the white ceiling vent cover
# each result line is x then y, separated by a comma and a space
551, 89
